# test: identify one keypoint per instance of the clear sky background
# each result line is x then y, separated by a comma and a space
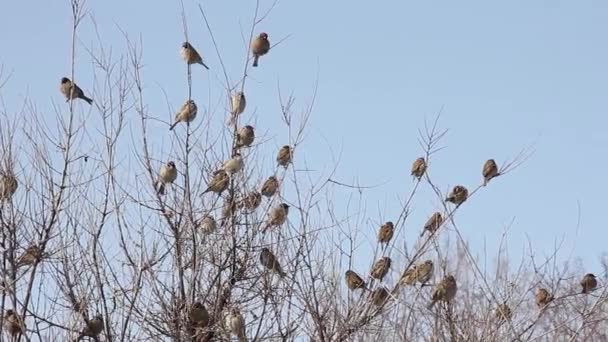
508, 75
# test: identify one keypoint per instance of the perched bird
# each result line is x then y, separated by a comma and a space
234, 164
218, 183
353, 280
252, 201
13, 323
72, 91
186, 114
284, 156
444, 291
433, 223
385, 233
8, 185
245, 136
589, 283
458, 195
30, 256
503, 312
167, 174
270, 186
208, 224
198, 315
419, 168
490, 170
543, 298
93, 328
191, 56
409, 276
379, 296
380, 268
228, 210
424, 272
235, 323
259, 47
268, 260
237, 106
278, 215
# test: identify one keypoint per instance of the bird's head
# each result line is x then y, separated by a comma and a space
249, 128
285, 206
264, 36
171, 164
186, 45
389, 224
65, 80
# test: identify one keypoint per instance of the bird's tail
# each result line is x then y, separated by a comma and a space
423, 231
88, 99
430, 306
203, 64
161, 188
255, 61
173, 125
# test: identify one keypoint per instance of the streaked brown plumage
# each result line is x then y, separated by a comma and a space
379, 296
490, 170
93, 327
284, 156
191, 56
219, 182
198, 315
167, 175
259, 47
72, 91
419, 168
385, 233
207, 224
269, 260
424, 272
245, 136
409, 276
278, 215
353, 280
380, 268
458, 195
543, 298
270, 186
445, 291
234, 164
8, 185
588, 283
503, 312
13, 323
186, 113
235, 323
433, 223
252, 201
29, 256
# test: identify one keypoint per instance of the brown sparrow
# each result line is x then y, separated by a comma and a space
186, 113
543, 298
444, 291
252, 201
589, 283
433, 223
208, 224
259, 47
270, 186
353, 280
219, 182
409, 276
458, 195
424, 272
419, 168
234, 164
380, 268
93, 327
235, 323
72, 91
385, 233
278, 215
167, 174
13, 323
191, 56
237, 106
30, 256
490, 170
284, 156
379, 296
8, 185
268, 260
198, 314
245, 136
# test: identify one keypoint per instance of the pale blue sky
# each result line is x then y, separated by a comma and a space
508, 75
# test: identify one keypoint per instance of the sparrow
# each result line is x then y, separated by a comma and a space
409, 276
259, 47
234, 164
228, 210
353, 280
93, 328
284, 156
379, 296
270, 186
268, 260
245, 136
278, 215
186, 114
543, 298
444, 291
30, 256
218, 183
380, 268
208, 224
385, 233
237, 106
424, 272
198, 315
490, 170
458, 195
503, 312
235, 323
72, 91
419, 168
8, 185
589, 283
167, 174
13, 323
191, 56
252, 201
433, 223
